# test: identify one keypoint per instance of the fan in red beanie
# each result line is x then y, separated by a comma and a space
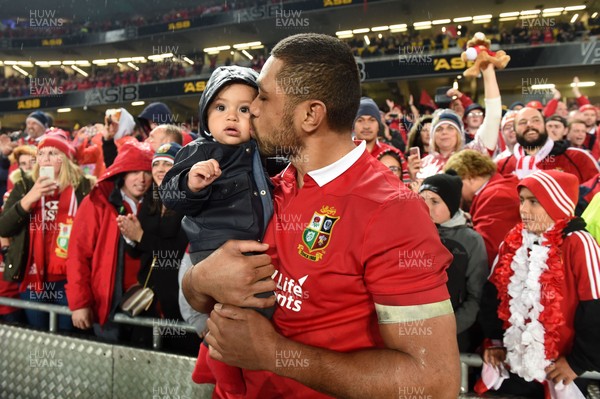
541, 309
58, 139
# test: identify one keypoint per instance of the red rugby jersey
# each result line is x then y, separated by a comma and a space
351, 236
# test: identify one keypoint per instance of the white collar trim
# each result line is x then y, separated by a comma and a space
331, 172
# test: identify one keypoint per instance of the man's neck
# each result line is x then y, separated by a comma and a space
371, 145
320, 152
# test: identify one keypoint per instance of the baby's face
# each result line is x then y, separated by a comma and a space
229, 114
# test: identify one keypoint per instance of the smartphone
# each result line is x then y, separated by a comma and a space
47, 171
415, 150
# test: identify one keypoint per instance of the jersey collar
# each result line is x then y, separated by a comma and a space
331, 172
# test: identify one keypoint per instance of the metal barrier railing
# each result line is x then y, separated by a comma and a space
121, 318
467, 360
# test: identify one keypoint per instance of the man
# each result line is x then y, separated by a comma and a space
459, 102
156, 114
556, 126
534, 150
163, 134
473, 119
589, 114
555, 106
509, 138
366, 127
576, 133
348, 266
36, 125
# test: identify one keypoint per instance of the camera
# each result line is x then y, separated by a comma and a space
16, 136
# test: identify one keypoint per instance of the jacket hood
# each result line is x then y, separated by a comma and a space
17, 175
133, 156
157, 112
126, 123
220, 78
457, 220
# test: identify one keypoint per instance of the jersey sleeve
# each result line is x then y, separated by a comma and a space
405, 261
583, 255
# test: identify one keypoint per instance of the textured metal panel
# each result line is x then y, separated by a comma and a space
39, 365
146, 374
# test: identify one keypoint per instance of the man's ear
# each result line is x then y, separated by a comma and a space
314, 114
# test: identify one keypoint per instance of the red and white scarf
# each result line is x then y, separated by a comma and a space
527, 164
51, 220
531, 318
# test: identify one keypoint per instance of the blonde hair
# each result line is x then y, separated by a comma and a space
470, 163
22, 150
70, 174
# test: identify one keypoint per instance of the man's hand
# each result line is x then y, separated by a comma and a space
82, 318
389, 103
576, 91
560, 371
454, 93
6, 145
203, 174
229, 276
494, 356
555, 94
242, 338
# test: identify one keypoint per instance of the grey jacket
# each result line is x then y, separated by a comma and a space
469, 270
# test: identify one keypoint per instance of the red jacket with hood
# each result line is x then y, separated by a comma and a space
93, 246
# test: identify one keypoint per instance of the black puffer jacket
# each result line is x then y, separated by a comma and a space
235, 206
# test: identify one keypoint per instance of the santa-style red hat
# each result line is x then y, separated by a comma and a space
556, 191
535, 104
58, 139
587, 107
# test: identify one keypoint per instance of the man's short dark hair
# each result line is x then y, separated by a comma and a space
320, 67
557, 118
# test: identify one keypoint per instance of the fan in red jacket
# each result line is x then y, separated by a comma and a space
541, 307
93, 284
534, 151
494, 203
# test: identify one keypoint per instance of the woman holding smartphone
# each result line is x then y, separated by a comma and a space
38, 215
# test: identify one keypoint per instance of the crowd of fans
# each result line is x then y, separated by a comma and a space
504, 34
55, 80
21, 27
388, 44
480, 169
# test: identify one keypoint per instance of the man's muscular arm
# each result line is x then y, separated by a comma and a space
421, 360
229, 276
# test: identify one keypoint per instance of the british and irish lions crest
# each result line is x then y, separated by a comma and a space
317, 234
62, 240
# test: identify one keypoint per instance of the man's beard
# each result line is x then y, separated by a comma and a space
283, 141
539, 142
